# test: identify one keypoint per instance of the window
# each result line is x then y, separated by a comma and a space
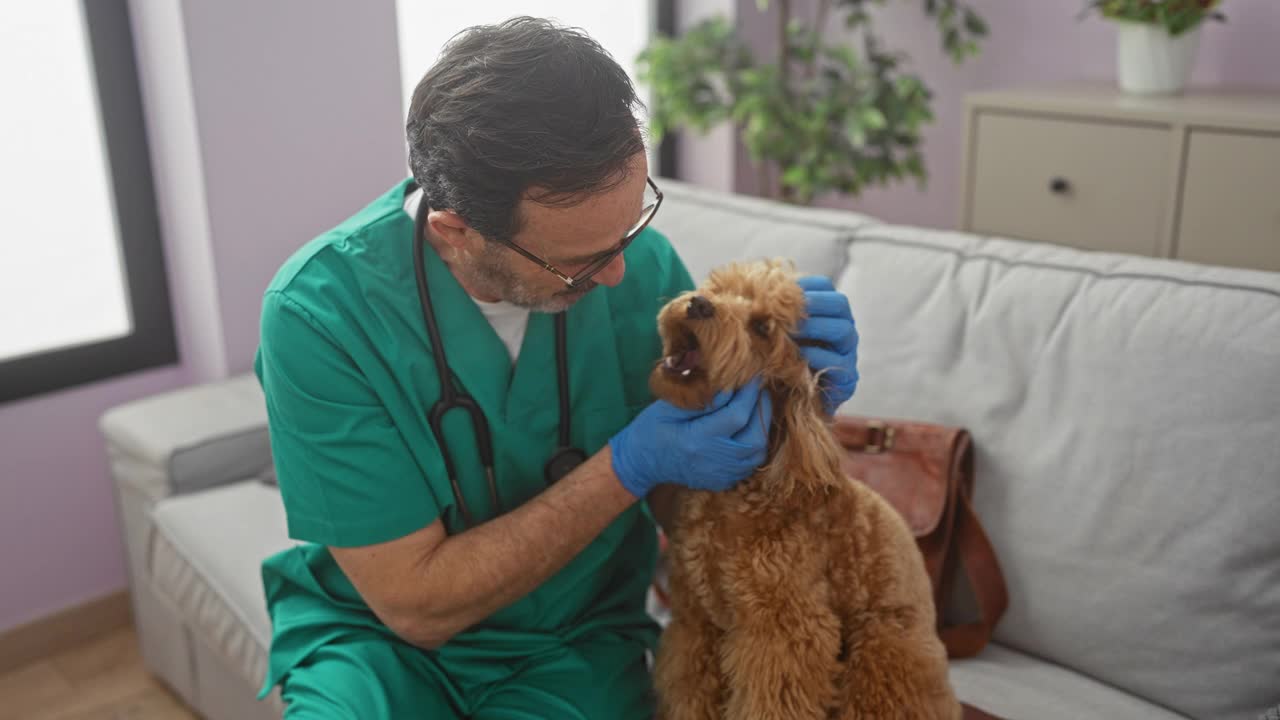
83, 294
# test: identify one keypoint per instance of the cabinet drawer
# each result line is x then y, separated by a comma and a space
1230, 211
1091, 185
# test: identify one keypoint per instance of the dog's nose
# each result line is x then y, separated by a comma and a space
700, 308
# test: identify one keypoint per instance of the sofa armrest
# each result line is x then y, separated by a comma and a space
189, 439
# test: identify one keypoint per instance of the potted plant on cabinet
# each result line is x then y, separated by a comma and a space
1157, 40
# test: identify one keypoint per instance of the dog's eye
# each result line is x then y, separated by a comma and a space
760, 326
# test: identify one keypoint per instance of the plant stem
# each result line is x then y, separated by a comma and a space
762, 179
766, 186
784, 47
824, 7
791, 195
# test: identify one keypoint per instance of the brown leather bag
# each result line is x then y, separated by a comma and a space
925, 471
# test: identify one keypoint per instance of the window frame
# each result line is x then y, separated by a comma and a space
152, 342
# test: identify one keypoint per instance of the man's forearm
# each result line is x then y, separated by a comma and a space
488, 567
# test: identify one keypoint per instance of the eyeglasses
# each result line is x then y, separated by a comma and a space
652, 200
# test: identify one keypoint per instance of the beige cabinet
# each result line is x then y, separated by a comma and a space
1230, 210
1194, 177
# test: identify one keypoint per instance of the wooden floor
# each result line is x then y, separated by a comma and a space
101, 680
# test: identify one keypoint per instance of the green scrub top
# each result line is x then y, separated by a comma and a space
349, 380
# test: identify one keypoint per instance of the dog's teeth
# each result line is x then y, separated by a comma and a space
686, 372
669, 361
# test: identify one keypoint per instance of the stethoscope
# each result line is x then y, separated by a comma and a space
565, 457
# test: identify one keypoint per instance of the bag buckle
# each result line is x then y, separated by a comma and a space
879, 438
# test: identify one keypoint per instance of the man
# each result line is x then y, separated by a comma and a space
421, 591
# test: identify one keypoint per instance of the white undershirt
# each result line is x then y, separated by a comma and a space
507, 320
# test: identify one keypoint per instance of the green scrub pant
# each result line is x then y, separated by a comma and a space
380, 679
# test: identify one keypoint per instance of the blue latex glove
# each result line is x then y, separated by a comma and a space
709, 449
830, 322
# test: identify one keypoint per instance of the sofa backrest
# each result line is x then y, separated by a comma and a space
1126, 414
709, 228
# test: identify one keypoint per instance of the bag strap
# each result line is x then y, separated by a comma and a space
978, 558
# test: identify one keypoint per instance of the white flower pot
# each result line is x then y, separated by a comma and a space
1150, 61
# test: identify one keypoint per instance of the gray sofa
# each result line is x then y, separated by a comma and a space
1126, 413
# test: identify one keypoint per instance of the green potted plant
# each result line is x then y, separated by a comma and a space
819, 115
1157, 40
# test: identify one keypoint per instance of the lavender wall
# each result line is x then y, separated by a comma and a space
300, 127
59, 540
1030, 42
268, 123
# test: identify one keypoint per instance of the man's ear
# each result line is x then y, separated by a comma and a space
452, 229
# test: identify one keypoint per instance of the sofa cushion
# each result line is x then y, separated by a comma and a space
1126, 415
709, 229
1010, 684
192, 438
206, 558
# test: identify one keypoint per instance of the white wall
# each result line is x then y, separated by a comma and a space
621, 26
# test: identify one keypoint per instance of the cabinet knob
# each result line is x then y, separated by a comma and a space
1059, 186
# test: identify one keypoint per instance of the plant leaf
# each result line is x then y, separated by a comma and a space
974, 23
873, 119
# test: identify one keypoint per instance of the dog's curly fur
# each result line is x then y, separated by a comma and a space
799, 593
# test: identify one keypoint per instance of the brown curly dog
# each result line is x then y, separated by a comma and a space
799, 593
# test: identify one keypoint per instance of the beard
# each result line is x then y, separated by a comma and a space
488, 273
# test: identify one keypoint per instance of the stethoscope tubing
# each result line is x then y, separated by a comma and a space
451, 398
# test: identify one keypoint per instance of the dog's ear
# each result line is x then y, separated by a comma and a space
798, 421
